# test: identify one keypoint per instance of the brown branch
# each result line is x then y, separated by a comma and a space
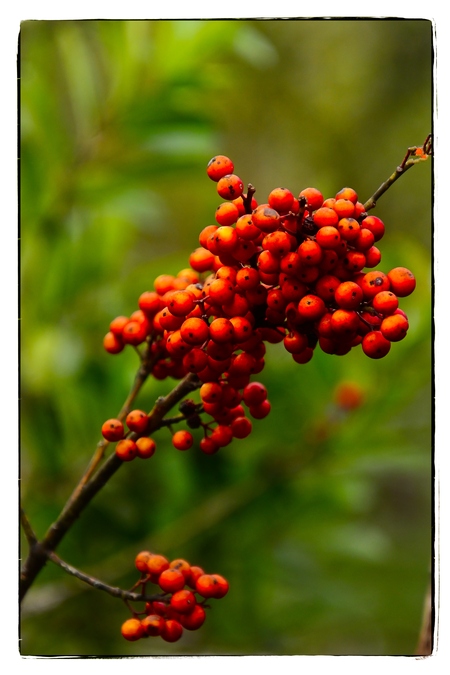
100, 585
29, 532
147, 363
413, 156
39, 551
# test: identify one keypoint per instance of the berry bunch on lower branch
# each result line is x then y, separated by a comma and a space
182, 603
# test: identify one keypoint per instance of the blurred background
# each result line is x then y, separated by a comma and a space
322, 519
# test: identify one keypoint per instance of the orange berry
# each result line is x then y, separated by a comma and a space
132, 630
112, 430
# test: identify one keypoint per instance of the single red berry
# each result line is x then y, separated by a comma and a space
314, 198
348, 295
126, 450
201, 260
146, 447
222, 435
344, 322
172, 630
241, 427
310, 252
349, 229
344, 208
385, 302
311, 307
328, 237
261, 410
157, 563
153, 624
149, 302
402, 281
219, 166
134, 332
324, 216
132, 630
183, 601
222, 585
374, 282
112, 430
347, 193
171, 580
208, 447
141, 560
194, 331
226, 214
281, 199
195, 619
375, 345
182, 440
394, 327
137, 421
266, 218
254, 394
221, 330
230, 186
113, 344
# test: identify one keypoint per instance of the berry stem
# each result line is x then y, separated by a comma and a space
411, 158
40, 550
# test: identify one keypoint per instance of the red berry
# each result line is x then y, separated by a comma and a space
254, 394
132, 630
311, 307
183, 601
325, 216
171, 580
157, 563
281, 199
182, 440
137, 421
195, 619
113, 344
226, 214
126, 450
375, 345
402, 281
219, 166
146, 447
313, 197
347, 193
112, 430
230, 186
172, 630
153, 624
394, 327
141, 560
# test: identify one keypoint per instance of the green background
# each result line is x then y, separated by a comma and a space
321, 520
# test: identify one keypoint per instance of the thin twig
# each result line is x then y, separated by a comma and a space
29, 532
100, 585
413, 156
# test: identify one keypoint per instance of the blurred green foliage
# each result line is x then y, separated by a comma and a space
320, 520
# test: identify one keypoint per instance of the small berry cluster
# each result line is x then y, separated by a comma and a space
128, 448
287, 271
181, 605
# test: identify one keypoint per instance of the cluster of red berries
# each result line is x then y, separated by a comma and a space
290, 270
182, 603
128, 448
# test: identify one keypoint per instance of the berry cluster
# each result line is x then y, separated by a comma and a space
181, 605
287, 271
128, 448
